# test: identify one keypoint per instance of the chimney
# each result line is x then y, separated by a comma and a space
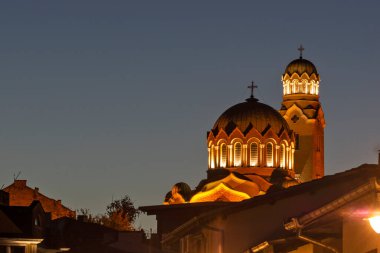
20, 183
35, 192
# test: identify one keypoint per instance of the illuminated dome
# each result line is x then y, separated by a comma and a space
251, 114
250, 137
180, 193
301, 66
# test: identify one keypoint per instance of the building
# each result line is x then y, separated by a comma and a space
323, 215
46, 226
303, 112
265, 189
22, 228
254, 149
82, 235
22, 195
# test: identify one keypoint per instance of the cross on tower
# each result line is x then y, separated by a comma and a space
252, 86
301, 48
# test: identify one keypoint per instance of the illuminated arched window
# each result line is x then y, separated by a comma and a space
223, 155
237, 154
269, 154
254, 154
282, 156
212, 158
312, 90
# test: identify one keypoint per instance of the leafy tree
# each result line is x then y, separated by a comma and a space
120, 215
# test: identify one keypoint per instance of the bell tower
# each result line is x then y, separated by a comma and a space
303, 112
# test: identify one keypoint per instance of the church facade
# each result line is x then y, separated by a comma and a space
266, 190
254, 148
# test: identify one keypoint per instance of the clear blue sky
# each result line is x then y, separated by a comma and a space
102, 99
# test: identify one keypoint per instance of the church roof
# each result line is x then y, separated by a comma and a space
230, 188
251, 114
301, 66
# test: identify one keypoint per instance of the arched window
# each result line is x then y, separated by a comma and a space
223, 155
254, 154
269, 154
282, 156
212, 159
237, 154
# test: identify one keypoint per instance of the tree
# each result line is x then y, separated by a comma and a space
120, 215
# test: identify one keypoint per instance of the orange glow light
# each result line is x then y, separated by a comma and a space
375, 223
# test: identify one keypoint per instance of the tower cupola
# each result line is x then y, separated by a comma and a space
300, 77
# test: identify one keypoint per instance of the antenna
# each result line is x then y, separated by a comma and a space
15, 177
377, 150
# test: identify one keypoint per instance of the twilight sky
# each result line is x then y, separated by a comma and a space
101, 99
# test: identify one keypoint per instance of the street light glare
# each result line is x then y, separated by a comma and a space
375, 223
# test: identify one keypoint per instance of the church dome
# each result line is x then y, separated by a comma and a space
301, 66
250, 135
180, 193
251, 114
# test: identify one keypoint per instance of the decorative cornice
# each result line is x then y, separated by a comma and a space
237, 133
313, 76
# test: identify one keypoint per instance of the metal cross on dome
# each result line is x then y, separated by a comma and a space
301, 49
252, 86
